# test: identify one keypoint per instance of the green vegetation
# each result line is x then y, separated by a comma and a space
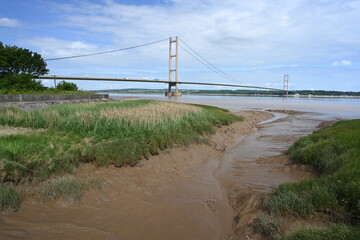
118, 133
334, 152
68, 187
9, 197
236, 92
268, 225
334, 232
17, 68
66, 86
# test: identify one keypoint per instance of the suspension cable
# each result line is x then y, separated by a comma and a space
207, 63
105, 52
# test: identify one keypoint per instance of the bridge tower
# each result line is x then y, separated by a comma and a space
173, 68
286, 86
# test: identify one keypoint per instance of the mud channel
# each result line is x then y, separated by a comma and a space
197, 192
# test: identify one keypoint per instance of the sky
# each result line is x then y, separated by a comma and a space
316, 42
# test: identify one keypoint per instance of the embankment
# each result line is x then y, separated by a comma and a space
327, 205
38, 101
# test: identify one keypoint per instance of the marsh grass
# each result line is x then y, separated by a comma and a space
68, 187
118, 133
335, 153
9, 197
334, 232
268, 225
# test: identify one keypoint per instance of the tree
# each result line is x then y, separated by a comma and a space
66, 86
18, 66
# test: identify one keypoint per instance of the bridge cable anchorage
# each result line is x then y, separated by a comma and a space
110, 51
208, 64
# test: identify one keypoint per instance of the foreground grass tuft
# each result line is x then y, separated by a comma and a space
9, 197
334, 152
334, 232
68, 187
117, 133
268, 225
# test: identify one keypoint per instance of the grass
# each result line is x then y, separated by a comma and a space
68, 187
268, 225
9, 197
118, 133
335, 153
334, 232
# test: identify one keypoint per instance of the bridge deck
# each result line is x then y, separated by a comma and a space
149, 81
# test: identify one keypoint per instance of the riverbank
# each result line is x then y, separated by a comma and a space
327, 205
182, 193
144, 199
118, 133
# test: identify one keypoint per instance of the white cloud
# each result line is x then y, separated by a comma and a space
233, 32
341, 63
52, 47
8, 22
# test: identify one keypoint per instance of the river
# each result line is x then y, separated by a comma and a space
345, 108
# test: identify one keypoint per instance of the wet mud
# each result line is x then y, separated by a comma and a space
201, 191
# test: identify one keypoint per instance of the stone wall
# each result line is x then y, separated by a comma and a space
48, 97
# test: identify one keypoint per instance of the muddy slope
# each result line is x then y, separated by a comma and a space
174, 195
197, 192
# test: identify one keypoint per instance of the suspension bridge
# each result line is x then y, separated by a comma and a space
173, 81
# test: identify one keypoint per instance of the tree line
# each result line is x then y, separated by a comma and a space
19, 68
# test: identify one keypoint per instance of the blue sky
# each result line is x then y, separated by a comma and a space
316, 42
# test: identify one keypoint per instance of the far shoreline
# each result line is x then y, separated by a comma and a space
240, 95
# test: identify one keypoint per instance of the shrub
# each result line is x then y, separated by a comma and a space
66, 86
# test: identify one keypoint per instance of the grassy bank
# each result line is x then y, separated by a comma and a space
118, 133
335, 154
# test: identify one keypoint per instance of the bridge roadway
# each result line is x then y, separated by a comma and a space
149, 81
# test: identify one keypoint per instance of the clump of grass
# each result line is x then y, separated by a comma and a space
118, 133
268, 225
94, 182
68, 187
39, 155
338, 188
302, 199
334, 232
9, 197
334, 151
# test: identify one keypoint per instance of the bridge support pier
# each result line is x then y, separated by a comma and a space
173, 68
171, 93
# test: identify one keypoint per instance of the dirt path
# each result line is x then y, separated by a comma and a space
183, 193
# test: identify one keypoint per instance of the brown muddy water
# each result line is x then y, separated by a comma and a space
197, 192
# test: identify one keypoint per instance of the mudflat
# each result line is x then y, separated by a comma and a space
203, 191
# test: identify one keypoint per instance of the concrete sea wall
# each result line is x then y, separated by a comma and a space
49, 97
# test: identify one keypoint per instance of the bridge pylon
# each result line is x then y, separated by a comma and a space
173, 68
286, 86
